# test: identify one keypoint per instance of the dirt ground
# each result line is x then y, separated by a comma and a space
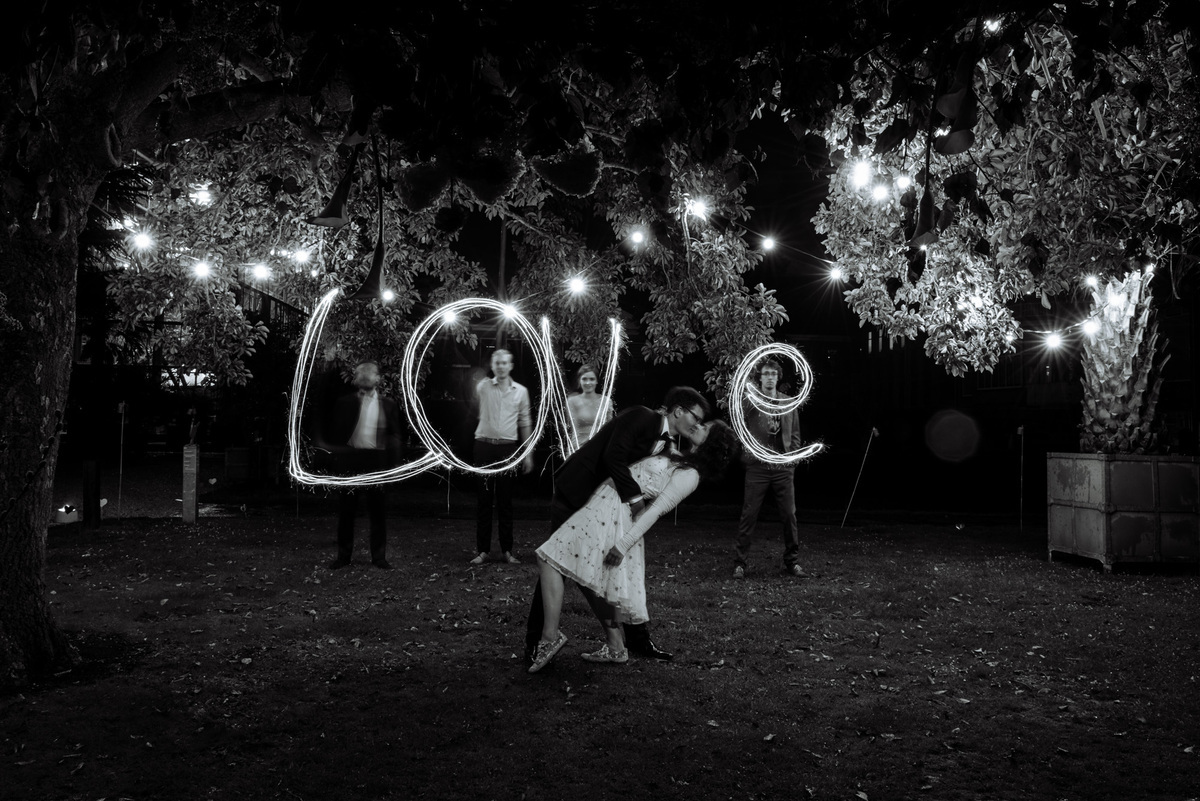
917, 661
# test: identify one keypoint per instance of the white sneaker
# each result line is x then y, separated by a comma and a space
479, 560
606, 654
546, 651
512, 560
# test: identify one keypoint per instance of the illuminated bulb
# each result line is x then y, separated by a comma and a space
861, 174
992, 25
142, 241
836, 274
510, 312
301, 256
1053, 340
449, 318
1091, 327
768, 243
202, 270
576, 285
262, 272
903, 182
637, 237
1009, 337
388, 296
201, 196
1092, 281
314, 272
697, 208
880, 192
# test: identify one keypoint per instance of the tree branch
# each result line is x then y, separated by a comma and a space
165, 122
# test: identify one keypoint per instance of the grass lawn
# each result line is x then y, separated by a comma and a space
918, 661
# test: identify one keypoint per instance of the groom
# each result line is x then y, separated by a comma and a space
632, 435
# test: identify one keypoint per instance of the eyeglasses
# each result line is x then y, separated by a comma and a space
697, 417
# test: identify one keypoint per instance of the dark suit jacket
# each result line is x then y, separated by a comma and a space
620, 442
387, 435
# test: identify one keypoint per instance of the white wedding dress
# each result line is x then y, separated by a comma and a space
578, 547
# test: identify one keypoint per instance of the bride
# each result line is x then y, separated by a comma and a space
600, 547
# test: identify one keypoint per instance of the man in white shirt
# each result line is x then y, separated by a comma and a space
367, 428
505, 423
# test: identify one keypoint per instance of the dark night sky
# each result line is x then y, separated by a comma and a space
784, 200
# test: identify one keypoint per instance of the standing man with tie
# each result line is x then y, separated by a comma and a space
633, 435
367, 426
505, 422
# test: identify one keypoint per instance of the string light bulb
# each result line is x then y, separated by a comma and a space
202, 270
768, 243
142, 240
861, 175
261, 271
577, 285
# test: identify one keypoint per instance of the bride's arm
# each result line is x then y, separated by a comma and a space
681, 484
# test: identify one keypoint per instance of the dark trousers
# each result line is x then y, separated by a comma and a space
637, 636
348, 508
760, 479
494, 490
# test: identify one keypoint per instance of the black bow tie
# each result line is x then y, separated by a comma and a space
668, 438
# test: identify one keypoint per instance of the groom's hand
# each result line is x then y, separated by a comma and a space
636, 507
613, 557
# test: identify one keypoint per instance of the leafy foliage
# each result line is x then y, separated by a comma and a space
1043, 157
266, 180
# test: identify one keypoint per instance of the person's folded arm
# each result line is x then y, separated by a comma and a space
682, 484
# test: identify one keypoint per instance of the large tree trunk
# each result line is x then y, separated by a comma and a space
37, 276
55, 149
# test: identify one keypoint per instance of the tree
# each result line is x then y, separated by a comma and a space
476, 110
1014, 158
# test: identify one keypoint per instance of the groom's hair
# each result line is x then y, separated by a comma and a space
686, 397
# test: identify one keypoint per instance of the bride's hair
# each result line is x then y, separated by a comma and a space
715, 454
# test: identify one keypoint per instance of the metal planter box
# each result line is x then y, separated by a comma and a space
1123, 508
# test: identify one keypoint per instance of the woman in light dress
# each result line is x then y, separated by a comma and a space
584, 407
600, 547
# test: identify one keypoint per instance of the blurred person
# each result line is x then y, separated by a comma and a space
585, 406
366, 439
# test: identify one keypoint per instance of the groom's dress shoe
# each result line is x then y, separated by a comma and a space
651, 651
